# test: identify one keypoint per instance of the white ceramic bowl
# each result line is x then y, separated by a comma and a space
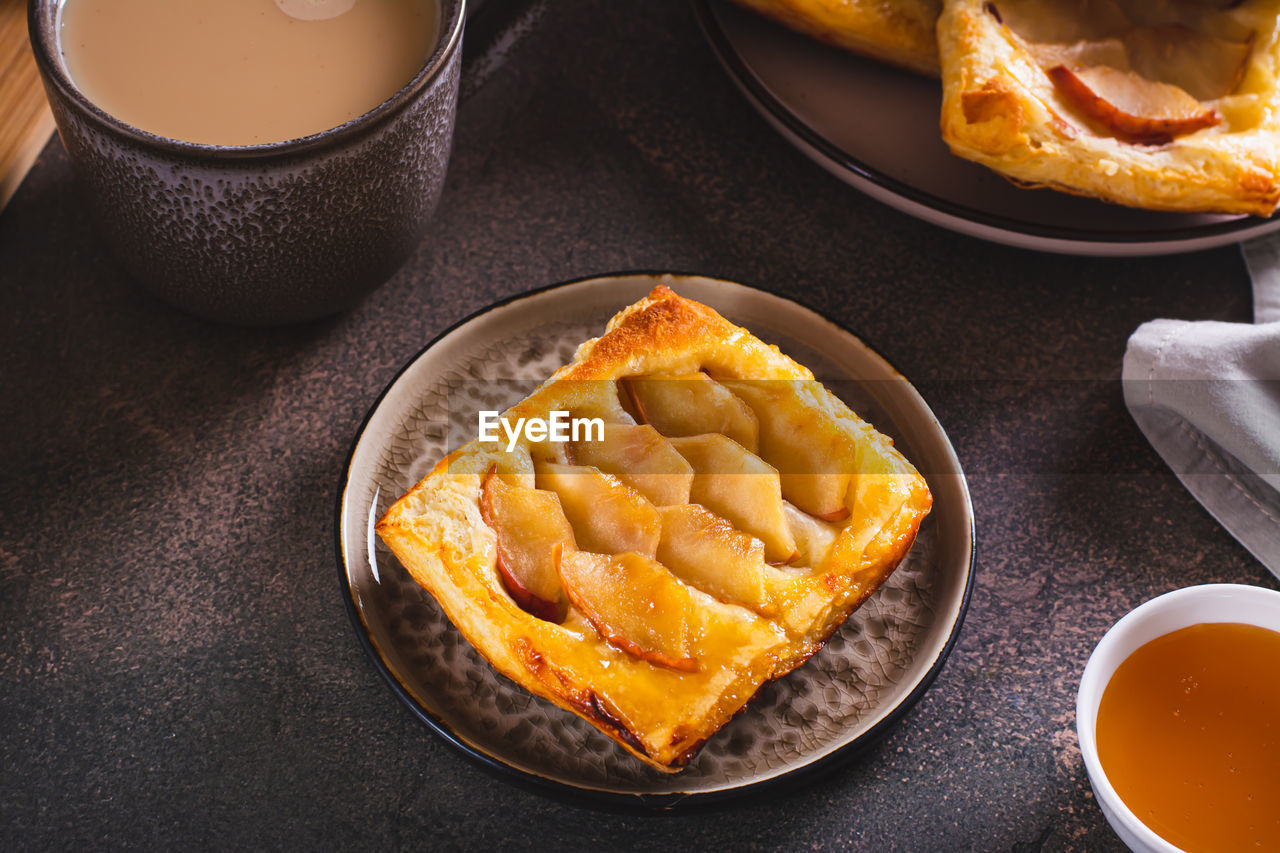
1173, 610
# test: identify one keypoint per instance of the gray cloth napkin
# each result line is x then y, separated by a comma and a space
1207, 396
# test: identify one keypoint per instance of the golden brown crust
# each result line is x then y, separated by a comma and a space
659, 714
900, 32
1000, 108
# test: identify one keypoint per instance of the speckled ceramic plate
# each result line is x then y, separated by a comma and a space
870, 671
820, 99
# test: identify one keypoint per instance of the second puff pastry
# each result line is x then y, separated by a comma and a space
1009, 70
899, 32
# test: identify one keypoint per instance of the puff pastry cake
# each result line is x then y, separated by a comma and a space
1160, 104
719, 517
899, 32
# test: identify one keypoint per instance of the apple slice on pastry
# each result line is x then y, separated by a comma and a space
634, 602
740, 487
1130, 106
691, 404
529, 526
1203, 65
607, 516
640, 457
710, 554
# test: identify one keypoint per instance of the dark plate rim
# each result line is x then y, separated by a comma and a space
612, 800
728, 54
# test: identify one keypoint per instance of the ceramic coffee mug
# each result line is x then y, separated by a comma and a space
263, 234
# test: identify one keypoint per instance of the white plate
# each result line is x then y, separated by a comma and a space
875, 667
876, 128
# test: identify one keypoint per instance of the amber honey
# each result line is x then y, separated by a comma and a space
244, 72
1188, 733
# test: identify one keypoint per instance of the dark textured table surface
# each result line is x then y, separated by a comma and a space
177, 669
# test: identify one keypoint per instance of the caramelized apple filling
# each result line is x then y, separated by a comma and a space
709, 490
1142, 71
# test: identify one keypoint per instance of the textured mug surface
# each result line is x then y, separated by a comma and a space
262, 234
